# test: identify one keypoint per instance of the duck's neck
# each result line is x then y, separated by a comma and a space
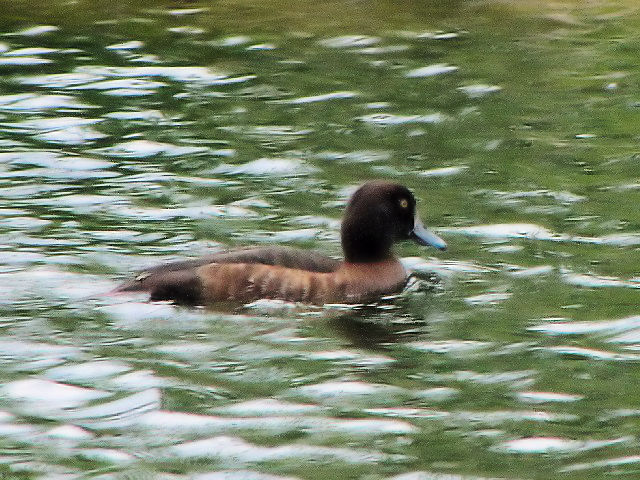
366, 242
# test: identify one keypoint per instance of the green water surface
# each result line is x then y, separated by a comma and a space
134, 132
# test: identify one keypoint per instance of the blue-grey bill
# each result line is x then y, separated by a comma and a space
424, 237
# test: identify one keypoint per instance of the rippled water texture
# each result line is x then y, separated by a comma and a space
137, 132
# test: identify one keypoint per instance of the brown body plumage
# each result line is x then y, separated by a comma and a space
350, 283
378, 214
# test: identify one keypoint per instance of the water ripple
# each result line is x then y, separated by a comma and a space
38, 396
557, 327
593, 354
128, 83
595, 281
86, 372
269, 406
431, 70
154, 136
439, 476
321, 98
349, 41
516, 378
239, 475
268, 167
120, 413
36, 31
23, 61
71, 136
59, 80
44, 125
388, 119
444, 268
351, 391
44, 158
37, 102
198, 75
543, 445
130, 45
547, 397
537, 232
234, 451
148, 148
479, 90
608, 463
178, 422
455, 347
443, 171
491, 298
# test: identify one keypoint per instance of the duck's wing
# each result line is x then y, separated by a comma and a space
180, 281
238, 282
287, 257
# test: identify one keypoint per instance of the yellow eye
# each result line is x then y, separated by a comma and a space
404, 203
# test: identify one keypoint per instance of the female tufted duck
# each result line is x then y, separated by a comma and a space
378, 214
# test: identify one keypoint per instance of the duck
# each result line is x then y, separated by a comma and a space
379, 214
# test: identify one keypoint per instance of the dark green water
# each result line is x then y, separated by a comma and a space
136, 132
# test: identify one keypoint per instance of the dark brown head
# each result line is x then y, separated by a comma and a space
379, 214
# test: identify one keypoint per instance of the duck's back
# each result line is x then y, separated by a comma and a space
283, 256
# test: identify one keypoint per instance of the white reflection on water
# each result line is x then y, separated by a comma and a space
43, 125
555, 327
349, 41
439, 476
547, 397
593, 353
455, 347
44, 395
322, 98
197, 75
148, 148
36, 30
390, 119
610, 462
128, 83
239, 475
269, 406
541, 445
340, 392
178, 423
431, 70
233, 450
268, 167
87, 371
444, 171
479, 90
39, 102
24, 61
491, 298
71, 136
537, 232
130, 45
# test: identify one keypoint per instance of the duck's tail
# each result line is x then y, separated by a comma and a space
181, 286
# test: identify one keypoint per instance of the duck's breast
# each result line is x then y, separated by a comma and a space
369, 281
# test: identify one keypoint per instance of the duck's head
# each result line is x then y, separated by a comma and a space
378, 214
